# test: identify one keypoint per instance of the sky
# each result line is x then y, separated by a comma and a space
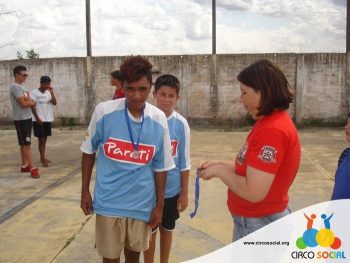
56, 28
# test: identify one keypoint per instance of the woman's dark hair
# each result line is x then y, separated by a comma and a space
268, 78
136, 67
167, 80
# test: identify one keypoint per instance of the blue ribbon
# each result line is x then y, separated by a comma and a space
196, 195
134, 145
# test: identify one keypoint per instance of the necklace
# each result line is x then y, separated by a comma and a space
135, 154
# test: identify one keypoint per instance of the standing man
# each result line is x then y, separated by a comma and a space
132, 139
117, 81
22, 117
43, 115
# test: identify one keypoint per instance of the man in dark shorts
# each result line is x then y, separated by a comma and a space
43, 115
22, 117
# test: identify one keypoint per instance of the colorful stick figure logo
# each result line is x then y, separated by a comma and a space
323, 237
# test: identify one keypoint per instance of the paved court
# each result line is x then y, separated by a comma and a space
41, 221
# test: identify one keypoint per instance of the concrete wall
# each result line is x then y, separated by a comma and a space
210, 91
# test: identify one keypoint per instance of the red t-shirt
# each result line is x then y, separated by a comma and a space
272, 146
118, 93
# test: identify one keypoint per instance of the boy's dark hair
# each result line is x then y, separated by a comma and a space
268, 78
18, 69
117, 75
45, 79
136, 67
167, 80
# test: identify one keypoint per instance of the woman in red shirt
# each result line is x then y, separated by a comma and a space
265, 167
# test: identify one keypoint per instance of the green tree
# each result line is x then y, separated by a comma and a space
19, 55
31, 54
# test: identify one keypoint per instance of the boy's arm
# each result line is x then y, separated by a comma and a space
185, 166
25, 102
182, 202
53, 97
87, 164
33, 108
157, 212
37, 118
21, 98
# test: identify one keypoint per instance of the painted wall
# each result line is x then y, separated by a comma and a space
210, 91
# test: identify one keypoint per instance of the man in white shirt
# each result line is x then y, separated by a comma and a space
43, 115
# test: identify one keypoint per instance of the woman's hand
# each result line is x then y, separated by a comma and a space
209, 172
207, 164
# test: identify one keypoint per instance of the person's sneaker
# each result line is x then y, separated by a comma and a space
25, 169
34, 172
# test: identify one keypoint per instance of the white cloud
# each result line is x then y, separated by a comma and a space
56, 28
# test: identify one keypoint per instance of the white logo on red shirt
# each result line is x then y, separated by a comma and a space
267, 154
242, 153
174, 145
120, 150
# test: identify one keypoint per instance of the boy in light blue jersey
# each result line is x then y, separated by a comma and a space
341, 188
134, 154
166, 93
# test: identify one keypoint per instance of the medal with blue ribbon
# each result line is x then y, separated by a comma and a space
196, 195
135, 154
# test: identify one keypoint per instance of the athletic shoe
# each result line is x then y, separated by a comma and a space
34, 172
25, 169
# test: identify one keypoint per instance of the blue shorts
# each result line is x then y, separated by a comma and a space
246, 225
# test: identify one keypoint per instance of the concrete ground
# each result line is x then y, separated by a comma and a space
41, 221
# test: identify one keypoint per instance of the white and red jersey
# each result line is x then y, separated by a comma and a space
125, 186
180, 146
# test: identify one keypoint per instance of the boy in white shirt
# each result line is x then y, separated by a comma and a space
43, 115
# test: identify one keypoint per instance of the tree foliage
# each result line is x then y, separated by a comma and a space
30, 54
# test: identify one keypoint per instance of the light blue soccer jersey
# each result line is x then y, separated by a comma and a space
180, 147
125, 186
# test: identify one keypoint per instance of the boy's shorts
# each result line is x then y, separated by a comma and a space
113, 234
170, 213
24, 131
43, 130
